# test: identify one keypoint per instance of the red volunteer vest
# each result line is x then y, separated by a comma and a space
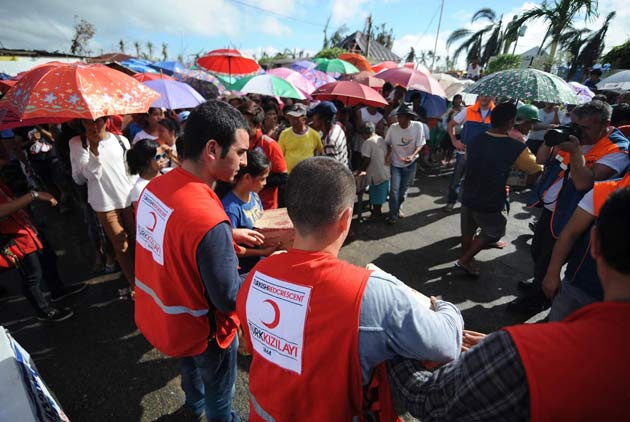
602, 190
19, 231
578, 369
174, 213
300, 313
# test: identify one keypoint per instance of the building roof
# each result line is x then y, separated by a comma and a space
110, 57
357, 43
533, 52
35, 53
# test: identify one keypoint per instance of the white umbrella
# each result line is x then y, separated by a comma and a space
620, 81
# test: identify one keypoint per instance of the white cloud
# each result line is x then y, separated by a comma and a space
271, 25
346, 11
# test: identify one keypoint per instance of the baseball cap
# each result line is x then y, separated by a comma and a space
526, 113
326, 109
297, 110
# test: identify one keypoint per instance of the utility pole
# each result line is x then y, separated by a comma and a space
437, 35
369, 32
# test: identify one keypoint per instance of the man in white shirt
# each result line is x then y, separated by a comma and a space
405, 139
97, 159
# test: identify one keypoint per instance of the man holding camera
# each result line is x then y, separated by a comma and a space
577, 155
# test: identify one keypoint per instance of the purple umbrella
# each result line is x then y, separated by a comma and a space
174, 94
316, 77
303, 65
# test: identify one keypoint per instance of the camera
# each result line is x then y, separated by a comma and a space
561, 134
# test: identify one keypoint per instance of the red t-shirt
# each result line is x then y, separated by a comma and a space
271, 149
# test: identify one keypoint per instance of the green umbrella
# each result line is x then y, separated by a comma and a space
525, 84
267, 85
336, 66
319, 60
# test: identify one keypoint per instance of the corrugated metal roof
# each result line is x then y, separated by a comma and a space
357, 43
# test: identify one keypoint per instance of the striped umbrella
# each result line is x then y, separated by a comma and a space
267, 85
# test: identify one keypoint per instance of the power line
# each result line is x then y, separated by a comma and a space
280, 15
429, 25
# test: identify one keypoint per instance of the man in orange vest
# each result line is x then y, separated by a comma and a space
186, 268
581, 285
319, 328
572, 370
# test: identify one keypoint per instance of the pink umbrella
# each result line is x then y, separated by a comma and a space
297, 79
316, 77
413, 79
417, 66
350, 93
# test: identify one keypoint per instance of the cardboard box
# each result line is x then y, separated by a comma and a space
277, 227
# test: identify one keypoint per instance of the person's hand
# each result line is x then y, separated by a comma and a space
459, 145
433, 300
470, 339
248, 237
94, 147
571, 146
270, 249
551, 285
46, 197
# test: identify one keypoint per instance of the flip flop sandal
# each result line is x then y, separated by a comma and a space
469, 272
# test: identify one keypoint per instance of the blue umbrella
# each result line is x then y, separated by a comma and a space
4, 76
169, 67
138, 67
433, 104
174, 94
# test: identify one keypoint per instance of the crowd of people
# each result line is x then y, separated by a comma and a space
175, 211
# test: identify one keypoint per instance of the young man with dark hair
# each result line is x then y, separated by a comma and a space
571, 370
593, 79
186, 268
621, 118
255, 116
490, 156
320, 328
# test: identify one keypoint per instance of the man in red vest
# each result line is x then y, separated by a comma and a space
572, 370
319, 328
186, 269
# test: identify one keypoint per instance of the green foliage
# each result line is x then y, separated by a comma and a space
503, 62
330, 53
619, 56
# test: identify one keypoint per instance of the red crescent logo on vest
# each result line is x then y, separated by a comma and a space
276, 317
152, 227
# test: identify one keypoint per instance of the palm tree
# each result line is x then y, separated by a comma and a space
121, 46
594, 45
164, 51
411, 56
136, 45
473, 44
150, 50
559, 16
572, 42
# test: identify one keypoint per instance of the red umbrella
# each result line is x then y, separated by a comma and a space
143, 77
365, 78
6, 85
384, 65
228, 61
350, 93
77, 91
10, 120
417, 66
413, 79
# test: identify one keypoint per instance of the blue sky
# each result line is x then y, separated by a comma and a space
192, 26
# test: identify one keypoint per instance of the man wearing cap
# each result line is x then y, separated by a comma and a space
474, 120
526, 118
299, 141
333, 136
405, 139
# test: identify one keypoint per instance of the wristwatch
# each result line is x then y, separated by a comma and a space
35, 195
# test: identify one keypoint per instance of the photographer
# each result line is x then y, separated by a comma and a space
587, 151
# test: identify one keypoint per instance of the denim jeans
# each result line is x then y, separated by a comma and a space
568, 300
399, 182
456, 178
208, 381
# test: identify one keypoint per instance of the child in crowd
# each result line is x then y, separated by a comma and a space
374, 167
146, 159
168, 130
243, 206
